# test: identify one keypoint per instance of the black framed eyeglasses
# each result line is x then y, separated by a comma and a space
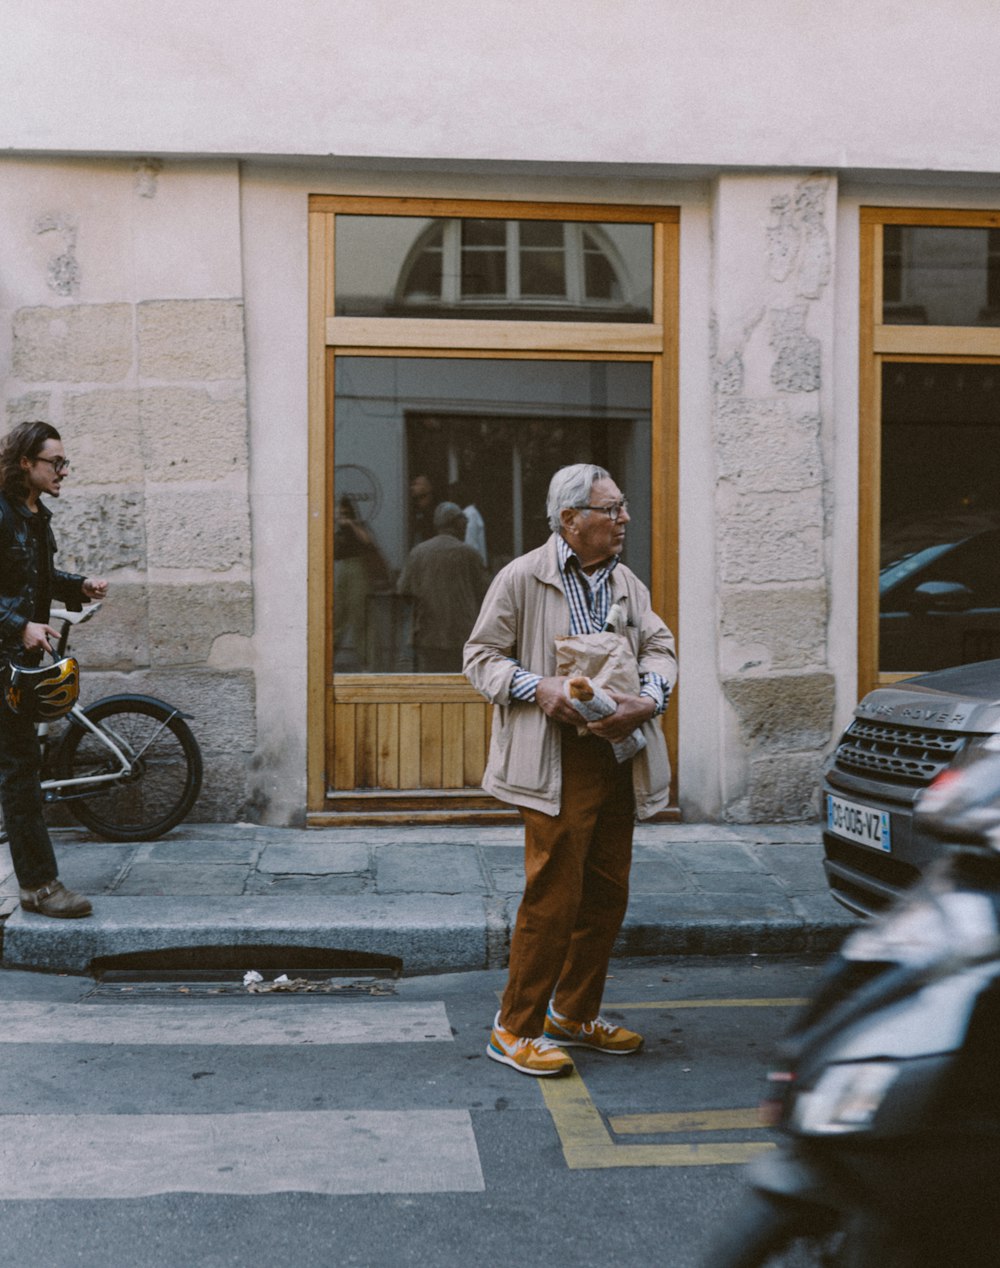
613, 512
58, 465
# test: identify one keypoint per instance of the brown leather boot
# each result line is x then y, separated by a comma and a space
55, 899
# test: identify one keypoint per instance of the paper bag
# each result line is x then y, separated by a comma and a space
606, 659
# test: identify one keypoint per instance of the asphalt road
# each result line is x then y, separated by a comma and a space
163, 1124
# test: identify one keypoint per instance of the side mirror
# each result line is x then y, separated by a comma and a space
941, 596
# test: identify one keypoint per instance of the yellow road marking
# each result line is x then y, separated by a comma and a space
790, 1002
588, 1145
685, 1121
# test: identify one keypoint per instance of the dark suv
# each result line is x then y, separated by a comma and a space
900, 738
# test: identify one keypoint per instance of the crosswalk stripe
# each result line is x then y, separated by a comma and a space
266, 1022
323, 1151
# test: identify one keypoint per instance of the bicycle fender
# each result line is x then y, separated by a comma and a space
132, 697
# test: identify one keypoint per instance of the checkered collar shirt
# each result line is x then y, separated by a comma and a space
589, 597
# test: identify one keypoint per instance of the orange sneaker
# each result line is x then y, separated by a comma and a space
538, 1057
601, 1035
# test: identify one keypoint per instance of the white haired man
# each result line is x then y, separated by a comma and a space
577, 802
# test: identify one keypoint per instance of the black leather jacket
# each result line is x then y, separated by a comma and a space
29, 582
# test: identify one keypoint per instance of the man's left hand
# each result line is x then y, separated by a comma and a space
632, 712
95, 588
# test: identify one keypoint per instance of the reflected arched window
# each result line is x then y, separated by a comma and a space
528, 268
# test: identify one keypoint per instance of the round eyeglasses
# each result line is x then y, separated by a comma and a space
58, 465
613, 512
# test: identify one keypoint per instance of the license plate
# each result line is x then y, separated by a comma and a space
858, 823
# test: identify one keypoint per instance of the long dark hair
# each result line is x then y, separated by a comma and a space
26, 440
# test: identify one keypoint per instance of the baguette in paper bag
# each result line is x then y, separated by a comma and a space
592, 704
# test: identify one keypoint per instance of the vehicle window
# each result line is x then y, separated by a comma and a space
895, 573
974, 564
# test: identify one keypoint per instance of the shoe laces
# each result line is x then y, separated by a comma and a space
599, 1023
539, 1043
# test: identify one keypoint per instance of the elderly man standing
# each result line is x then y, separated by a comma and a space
577, 802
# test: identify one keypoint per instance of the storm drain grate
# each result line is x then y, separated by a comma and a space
129, 985
247, 972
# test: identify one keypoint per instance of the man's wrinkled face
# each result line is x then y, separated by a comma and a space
593, 534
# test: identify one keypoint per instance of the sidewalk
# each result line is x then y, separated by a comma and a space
435, 898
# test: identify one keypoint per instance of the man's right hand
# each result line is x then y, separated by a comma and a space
550, 699
35, 637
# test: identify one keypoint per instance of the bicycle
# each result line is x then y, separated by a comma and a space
128, 767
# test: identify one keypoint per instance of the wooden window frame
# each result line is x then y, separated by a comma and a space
881, 344
655, 343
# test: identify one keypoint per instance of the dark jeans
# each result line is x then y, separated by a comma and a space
21, 801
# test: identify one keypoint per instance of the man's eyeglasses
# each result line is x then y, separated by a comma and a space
58, 465
613, 512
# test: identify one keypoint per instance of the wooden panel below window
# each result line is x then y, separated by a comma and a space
410, 744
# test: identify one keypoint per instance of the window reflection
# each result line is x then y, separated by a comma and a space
399, 266
940, 275
939, 586
442, 467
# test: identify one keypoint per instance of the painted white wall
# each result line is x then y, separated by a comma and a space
276, 278
699, 700
902, 84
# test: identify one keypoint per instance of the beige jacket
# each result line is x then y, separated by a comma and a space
524, 611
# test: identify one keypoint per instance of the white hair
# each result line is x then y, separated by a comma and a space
570, 486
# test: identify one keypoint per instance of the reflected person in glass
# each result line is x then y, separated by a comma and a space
475, 525
422, 504
447, 581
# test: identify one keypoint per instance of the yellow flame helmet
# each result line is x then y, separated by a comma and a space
45, 693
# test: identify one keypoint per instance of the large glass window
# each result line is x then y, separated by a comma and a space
939, 581
473, 268
929, 441
418, 439
461, 351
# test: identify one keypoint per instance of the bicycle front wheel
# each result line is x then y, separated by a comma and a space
165, 776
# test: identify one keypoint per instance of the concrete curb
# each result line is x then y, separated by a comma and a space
429, 934
435, 899
434, 933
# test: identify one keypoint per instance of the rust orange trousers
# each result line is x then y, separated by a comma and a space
575, 892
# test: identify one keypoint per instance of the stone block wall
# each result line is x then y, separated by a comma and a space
772, 366
145, 378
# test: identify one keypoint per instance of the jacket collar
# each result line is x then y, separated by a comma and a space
21, 508
545, 565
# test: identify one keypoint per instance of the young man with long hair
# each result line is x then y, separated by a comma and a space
32, 463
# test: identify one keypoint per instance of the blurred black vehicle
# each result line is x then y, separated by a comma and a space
886, 1098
